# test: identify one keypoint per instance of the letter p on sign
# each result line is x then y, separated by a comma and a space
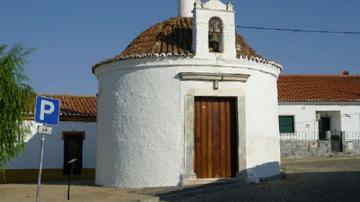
46, 107
47, 110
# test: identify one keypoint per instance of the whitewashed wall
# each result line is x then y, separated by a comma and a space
185, 8
141, 125
54, 147
140, 138
262, 131
345, 116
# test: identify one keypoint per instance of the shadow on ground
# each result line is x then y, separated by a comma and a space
331, 186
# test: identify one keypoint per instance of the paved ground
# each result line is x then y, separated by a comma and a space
327, 179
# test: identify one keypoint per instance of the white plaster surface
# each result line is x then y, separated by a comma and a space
214, 4
262, 130
186, 7
200, 29
140, 140
54, 147
344, 116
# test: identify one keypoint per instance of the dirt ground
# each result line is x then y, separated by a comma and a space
325, 179
57, 192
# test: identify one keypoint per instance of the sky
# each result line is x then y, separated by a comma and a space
69, 36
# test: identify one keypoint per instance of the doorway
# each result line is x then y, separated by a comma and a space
73, 149
215, 137
324, 126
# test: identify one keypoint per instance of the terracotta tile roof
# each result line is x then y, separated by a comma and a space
325, 88
173, 37
75, 108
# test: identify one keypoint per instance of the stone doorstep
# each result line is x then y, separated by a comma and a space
204, 181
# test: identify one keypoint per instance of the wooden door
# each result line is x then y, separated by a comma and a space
73, 148
215, 137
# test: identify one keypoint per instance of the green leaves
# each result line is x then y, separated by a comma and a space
15, 98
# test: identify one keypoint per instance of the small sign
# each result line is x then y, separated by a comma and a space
45, 130
47, 110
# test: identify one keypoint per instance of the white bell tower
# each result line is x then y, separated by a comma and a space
214, 16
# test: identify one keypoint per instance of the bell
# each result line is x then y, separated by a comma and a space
214, 42
214, 37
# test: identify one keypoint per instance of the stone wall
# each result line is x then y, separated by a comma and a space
300, 149
352, 147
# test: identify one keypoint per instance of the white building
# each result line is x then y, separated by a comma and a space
312, 106
74, 137
304, 101
187, 100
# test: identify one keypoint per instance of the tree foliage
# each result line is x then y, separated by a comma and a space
15, 96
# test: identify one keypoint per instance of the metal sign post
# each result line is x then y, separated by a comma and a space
40, 167
47, 111
71, 162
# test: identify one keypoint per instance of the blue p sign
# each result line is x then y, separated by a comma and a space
47, 110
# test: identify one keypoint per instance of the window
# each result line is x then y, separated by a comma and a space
215, 35
287, 124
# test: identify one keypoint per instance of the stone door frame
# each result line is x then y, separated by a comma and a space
189, 107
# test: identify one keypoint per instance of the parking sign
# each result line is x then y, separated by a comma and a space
47, 110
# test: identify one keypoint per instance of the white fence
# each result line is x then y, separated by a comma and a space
352, 135
308, 135
299, 136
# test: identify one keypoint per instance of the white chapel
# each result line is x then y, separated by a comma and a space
187, 100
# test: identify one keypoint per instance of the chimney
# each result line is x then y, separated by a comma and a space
186, 7
346, 73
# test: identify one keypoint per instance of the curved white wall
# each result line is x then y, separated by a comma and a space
262, 127
140, 137
141, 105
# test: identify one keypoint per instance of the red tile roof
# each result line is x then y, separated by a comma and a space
173, 37
76, 108
323, 88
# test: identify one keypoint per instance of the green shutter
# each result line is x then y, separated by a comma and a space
286, 124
